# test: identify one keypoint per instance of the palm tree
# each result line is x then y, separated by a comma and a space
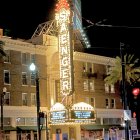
132, 71
2, 52
132, 77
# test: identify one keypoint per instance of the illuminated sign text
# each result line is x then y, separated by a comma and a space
63, 20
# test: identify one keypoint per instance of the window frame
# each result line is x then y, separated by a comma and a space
85, 85
6, 77
8, 56
33, 99
113, 104
24, 99
93, 104
24, 58
107, 103
24, 79
92, 87
32, 79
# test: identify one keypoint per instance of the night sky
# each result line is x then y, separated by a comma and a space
21, 18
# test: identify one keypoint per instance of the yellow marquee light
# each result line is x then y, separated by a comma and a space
57, 106
82, 106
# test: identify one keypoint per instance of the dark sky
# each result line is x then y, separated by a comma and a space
123, 16
23, 17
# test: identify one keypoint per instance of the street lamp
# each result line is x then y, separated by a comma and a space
2, 102
33, 69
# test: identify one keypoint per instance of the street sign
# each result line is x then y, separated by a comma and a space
133, 124
127, 115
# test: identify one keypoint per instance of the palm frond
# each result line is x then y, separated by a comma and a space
132, 73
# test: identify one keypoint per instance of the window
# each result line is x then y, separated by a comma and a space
24, 58
107, 103
90, 68
112, 103
111, 121
85, 67
33, 79
6, 77
33, 99
108, 70
7, 60
112, 89
20, 121
31, 121
7, 98
24, 99
92, 101
86, 85
7, 121
109, 88
32, 58
91, 85
24, 78
105, 120
106, 88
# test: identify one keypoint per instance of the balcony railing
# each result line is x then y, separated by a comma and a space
89, 75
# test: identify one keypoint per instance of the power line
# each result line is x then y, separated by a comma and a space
107, 25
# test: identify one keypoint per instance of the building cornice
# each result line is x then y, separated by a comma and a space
97, 59
23, 46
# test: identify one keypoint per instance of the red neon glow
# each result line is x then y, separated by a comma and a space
136, 91
62, 4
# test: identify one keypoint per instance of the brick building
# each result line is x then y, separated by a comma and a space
89, 87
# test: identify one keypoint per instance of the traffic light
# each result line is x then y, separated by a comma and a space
135, 92
42, 117
135, 99
41, 114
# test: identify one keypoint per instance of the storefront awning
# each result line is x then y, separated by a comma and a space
31, 128
98, 127
9, 128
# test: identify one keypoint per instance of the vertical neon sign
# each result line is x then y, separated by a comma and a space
63, 23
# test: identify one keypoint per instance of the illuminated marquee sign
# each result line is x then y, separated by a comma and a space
58, 113
79, 113
63, 20
82, 114
58, 116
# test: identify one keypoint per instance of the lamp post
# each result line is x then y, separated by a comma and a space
124, 94
33, 69
2, 95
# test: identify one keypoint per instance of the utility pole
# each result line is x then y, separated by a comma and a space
124, 93
38, 106
33, 69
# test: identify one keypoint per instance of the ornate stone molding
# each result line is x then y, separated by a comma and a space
97, 59
23, 46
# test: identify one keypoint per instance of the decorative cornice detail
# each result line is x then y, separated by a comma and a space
21, 45
97, 59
